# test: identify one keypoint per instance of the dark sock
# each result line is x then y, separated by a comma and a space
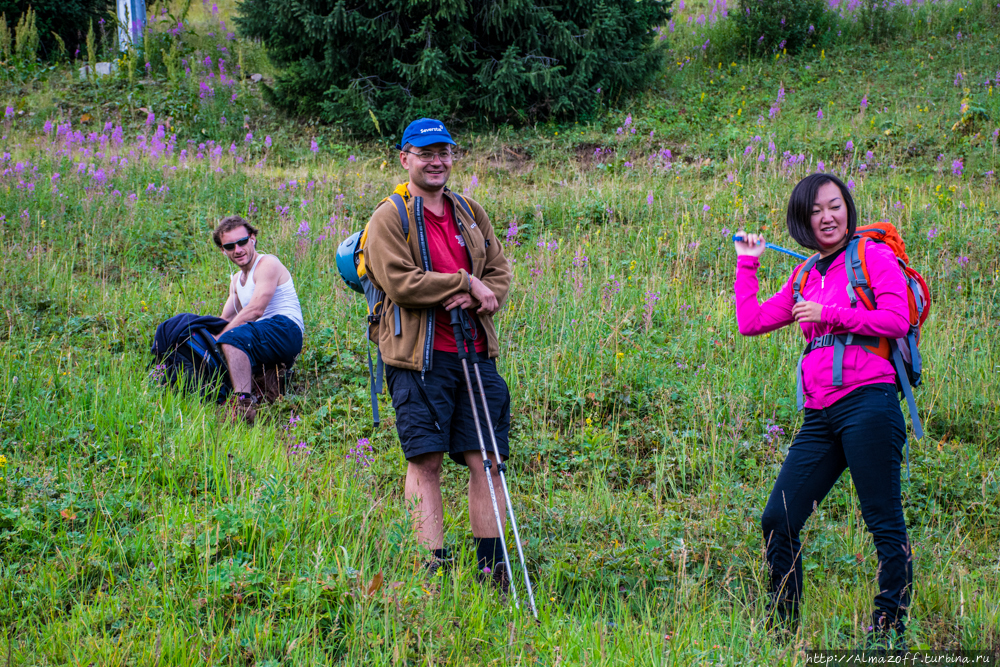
488, 552
442, 554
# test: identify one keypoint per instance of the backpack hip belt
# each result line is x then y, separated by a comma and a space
839, 343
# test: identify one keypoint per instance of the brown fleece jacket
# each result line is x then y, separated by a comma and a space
394, 266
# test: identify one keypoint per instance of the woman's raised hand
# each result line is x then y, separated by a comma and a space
749, 244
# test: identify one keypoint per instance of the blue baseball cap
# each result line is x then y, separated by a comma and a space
425, 132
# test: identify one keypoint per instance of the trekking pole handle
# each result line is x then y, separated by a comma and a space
456, 326
736, 237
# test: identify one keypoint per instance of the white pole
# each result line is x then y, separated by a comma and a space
131, 23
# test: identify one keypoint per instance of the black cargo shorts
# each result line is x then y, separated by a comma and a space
433, 414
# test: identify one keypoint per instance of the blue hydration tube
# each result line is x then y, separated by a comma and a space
778, 248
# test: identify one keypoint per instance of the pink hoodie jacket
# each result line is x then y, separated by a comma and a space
861, 367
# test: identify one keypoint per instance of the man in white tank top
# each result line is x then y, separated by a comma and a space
265, 319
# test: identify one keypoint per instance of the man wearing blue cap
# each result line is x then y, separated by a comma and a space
450, 258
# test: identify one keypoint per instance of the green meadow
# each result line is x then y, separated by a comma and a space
137, 527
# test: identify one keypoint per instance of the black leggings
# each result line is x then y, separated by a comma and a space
863, 432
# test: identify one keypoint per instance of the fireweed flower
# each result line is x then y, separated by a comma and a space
511, 233
932, 233
819, 114
864, 102
267, 141
314, 147
648, 308
362, 454
850, 145
956, 167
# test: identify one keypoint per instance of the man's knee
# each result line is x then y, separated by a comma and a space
426, 466
474, 461
228, 349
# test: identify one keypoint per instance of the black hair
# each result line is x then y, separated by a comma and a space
228, 225
800, 206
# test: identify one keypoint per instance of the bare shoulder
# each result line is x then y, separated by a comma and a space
270, 266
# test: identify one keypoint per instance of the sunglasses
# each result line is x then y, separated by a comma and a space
241, 242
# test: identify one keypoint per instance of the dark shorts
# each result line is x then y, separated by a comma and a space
433, 415
276, 340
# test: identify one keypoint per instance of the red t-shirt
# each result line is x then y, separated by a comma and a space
448, 255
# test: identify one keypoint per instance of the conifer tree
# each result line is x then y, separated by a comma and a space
489, 60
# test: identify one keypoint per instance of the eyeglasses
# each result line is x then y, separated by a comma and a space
428, 156
241, 242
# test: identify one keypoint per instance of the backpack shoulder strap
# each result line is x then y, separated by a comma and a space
799, 277
465, 205
404, 218
857, 272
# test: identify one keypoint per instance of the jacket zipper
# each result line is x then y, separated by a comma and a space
418, 216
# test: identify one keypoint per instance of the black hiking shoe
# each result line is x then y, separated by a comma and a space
438, 567
243, 408
781, 618
496, 579
885, 636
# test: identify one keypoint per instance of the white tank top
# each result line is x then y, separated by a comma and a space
284, 301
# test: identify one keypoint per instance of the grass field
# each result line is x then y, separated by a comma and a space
137, 528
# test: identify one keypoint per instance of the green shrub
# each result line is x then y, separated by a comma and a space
769, 26
374, 67
61, 21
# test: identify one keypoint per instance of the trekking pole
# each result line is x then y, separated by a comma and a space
463, 354
502, 470
776, 247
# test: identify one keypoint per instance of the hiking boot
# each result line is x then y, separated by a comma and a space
495, 578
781, 618
885, 637
438, 566
243, 408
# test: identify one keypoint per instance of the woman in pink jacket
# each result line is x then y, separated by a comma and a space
852, 419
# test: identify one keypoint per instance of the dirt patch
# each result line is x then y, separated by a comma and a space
590, 154
516, 160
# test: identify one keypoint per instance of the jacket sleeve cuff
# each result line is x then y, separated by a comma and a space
747, 262
466, 281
